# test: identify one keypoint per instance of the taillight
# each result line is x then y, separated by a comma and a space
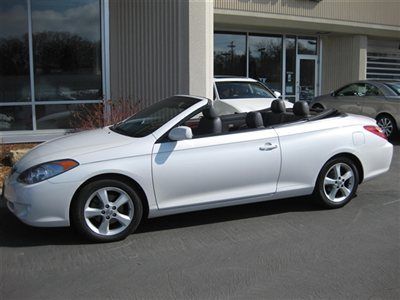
376, 130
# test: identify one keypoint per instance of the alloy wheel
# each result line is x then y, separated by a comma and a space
108, 211
386, 125
339, 182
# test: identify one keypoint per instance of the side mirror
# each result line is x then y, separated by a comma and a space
277, 94
332, 94
180, 133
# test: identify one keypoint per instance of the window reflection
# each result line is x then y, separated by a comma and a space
14, 51
307, 45
18, 117
229, 54
60, 116
67, 49
265, 60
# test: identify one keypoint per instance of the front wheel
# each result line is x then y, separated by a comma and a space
106, 210
337, 182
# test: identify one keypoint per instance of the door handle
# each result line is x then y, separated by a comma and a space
268, 147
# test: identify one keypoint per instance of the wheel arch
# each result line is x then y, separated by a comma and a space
116, 176
356, 161
384, 113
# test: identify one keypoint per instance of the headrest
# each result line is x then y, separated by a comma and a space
210, 113
254, 120
278, 106
300, 108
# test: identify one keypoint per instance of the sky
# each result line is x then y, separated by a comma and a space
80, 17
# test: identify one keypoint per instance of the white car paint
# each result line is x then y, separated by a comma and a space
228, 106
202, 173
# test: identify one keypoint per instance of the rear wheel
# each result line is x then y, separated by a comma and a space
337, 182
387, 124
106, 210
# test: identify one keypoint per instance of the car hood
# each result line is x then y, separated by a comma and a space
251, 104
72, 146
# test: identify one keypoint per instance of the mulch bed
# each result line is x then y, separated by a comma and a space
4, 150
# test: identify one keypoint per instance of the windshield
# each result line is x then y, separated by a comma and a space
394, 86
150, 119
238, 90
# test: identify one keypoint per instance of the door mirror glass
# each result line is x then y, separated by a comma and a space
180, 133
277, 94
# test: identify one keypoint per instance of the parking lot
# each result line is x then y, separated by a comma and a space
280, 249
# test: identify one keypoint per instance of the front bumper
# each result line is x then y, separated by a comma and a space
43, 204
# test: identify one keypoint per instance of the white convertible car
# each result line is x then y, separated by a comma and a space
164, 160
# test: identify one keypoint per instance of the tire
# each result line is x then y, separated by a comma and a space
337, 183
387, 124
106, 210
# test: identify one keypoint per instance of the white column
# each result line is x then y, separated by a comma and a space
201, 47
344, 60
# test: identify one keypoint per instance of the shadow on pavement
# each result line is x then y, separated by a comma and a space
13, 233
229, 213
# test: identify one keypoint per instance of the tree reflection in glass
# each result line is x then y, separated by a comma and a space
67, 50
14, 52
229, 54
265, 60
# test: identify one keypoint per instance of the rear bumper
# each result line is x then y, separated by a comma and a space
377, 160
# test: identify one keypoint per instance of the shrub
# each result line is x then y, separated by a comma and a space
100, 115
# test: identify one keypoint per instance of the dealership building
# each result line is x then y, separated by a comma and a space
58, 56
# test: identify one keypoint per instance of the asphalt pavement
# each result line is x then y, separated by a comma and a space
281, 249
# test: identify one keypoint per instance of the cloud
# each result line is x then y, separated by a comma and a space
83, 20
13, 22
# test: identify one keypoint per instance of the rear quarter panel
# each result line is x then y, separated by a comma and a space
372, 107
306, 147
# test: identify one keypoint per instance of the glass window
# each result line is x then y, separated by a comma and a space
394, 86
265, 60
16, 117
355, 89
371, 90
14, 51
67, 49
290, 76
60, 116
307, 45
238, 90
229, 54
307, 79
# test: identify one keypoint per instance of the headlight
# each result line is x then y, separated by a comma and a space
46, 170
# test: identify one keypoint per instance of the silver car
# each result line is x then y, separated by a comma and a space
373, 98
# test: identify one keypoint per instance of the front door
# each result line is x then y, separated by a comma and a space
349, 98
306, 77
216, 168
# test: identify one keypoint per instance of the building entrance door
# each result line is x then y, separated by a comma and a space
306, 77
